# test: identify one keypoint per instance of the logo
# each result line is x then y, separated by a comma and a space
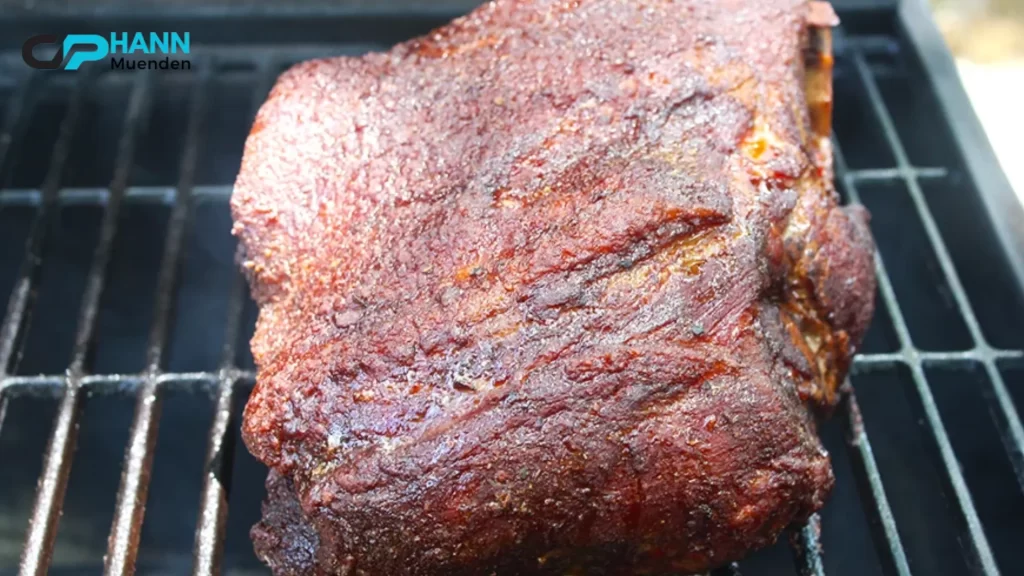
125, 51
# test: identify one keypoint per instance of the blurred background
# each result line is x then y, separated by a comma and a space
987, 40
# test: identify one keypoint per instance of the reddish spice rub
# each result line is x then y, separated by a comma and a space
554, 289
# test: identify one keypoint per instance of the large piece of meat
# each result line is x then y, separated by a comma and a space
554, 289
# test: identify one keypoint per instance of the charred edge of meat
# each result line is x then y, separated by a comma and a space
828, 348
819, 63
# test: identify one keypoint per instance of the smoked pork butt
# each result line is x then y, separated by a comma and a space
558, 288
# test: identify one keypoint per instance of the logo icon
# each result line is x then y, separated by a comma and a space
73, 50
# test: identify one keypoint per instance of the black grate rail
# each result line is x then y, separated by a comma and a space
161, 319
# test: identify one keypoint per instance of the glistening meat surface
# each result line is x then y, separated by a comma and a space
554, 289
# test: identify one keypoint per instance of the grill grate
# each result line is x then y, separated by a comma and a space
919, 287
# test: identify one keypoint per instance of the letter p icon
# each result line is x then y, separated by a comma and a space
75, 51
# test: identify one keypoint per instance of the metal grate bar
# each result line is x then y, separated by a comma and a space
806, 546
46, 512
43, 527
978, 541
1008, 421
8, 134
22, 296
888, 540
886, 174
213, 507
100, 196
50, 493
138, 109
126, 527
895, 562
733, 569
126, 381
890, 358
213, 504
